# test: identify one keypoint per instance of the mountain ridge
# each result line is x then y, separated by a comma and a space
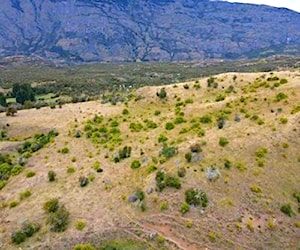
171, 30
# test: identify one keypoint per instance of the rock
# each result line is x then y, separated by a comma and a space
132, 198
149, 190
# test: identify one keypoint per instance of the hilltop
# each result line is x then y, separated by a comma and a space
233, 138
132, 31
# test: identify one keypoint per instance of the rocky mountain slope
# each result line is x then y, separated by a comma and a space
140, 30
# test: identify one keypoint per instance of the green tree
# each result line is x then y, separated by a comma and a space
23, 92
3, 100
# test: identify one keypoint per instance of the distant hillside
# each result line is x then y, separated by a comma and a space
140, 30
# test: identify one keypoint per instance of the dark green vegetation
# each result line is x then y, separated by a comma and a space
111, 81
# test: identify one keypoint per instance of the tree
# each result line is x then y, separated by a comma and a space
3, 100
23, 93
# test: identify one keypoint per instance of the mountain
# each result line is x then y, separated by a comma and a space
140, 30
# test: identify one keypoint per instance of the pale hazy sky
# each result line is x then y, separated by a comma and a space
291, 4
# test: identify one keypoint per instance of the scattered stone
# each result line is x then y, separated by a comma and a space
132, 198
149, 190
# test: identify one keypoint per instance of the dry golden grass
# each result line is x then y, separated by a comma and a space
236, 216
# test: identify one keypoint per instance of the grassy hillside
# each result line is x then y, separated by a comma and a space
212, 163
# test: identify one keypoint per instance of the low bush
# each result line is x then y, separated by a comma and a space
59, 220
169, 126
184, 208
196, 197
51, 176
223, 141
135, 164
51, 206
80, 225
83, 246
287, 209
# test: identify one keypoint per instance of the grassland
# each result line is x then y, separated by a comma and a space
245, 126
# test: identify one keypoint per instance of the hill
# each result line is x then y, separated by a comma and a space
212, 163
139, 30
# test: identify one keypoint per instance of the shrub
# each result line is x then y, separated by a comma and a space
260, 153
51, 206
206, 119
168, 152
25, 194
30, 228
125, 152
184, 208
287, 209
83, 181
280, 96
17, 169
30, 174
227, 164
283, 120
59, 220
140, 194
196, 197
125, 112
162, 139
151, 169
162, 94
70, 170
2, 184
164, 205
188, 156
13, 204
181, 172
256, 189
151, 124
82, 246
51, 176
65, 150
157, 113
18, 237
135, 164
220, 97
173, 182
80, 225
223, 141
283, 81
169, 126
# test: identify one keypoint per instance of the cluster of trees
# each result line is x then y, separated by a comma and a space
23, 93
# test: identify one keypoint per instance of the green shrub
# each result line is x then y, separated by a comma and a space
164, 206
179, 120
135, 164
162, 94
184, 208
287, 209
25, 194
280, 96
82, 246
70, 170
80, 225
2, 184
135, 127
17, 169
220, 97
65, 150
227, 164
260, 153
51, 176
30, 174
181, 172
188, 156
140, 194
173, 182
125, 112
295, 109
151, 124
162, 138
223, 141
30, 228
13, 204
168, 152
151, 169
206, 119
18, 237
196, 197
59, 220
283, 81
283, 120
169, 126
51, 206
256, 189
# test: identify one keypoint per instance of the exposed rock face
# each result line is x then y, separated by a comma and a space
145, 30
